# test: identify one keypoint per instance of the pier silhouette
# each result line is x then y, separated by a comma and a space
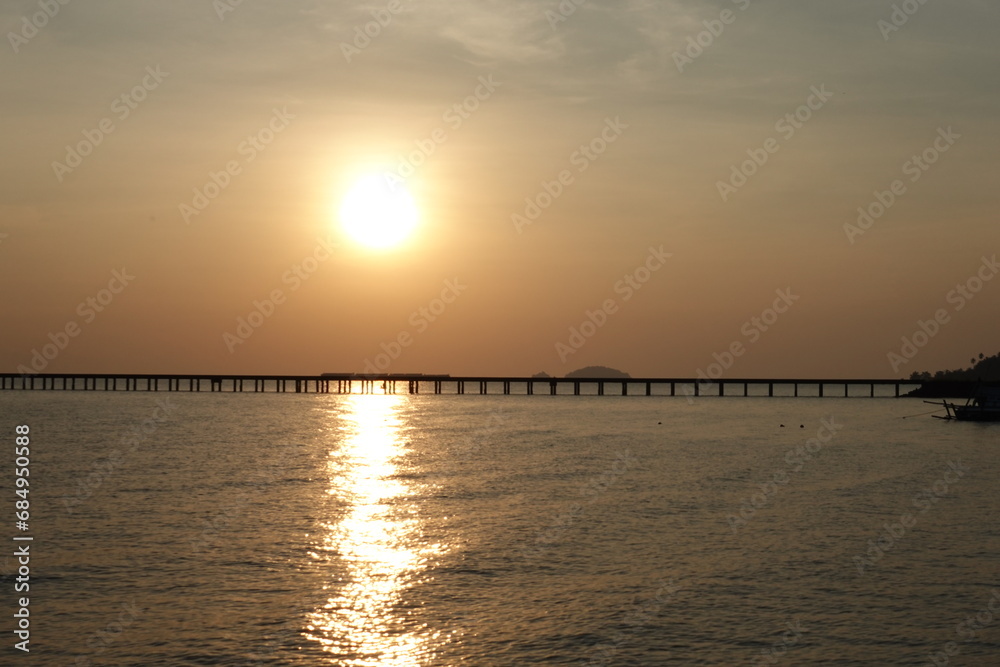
393, 383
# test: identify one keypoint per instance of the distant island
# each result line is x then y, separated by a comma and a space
599, 372
958, 383
589, 373
984, 368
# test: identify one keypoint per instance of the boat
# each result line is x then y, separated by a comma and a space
983, 406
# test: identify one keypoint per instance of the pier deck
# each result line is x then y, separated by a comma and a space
441, 384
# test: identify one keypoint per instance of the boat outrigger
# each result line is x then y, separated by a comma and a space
983, 406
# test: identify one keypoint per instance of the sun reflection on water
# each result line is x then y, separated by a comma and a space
375, 541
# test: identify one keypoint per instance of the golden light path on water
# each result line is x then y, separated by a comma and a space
375, 540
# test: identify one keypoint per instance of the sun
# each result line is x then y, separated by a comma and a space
378, 213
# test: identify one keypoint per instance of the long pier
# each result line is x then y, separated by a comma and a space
329, 383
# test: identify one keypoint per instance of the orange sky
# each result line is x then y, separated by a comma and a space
557, 159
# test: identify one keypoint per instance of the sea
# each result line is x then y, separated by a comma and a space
420, 530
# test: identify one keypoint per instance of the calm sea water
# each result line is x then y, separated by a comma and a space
226, 529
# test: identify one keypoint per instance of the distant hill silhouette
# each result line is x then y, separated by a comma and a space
600, 372
985, 368
541, 375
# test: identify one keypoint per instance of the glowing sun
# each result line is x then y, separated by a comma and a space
377, 213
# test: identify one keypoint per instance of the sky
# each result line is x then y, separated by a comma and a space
788, 188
